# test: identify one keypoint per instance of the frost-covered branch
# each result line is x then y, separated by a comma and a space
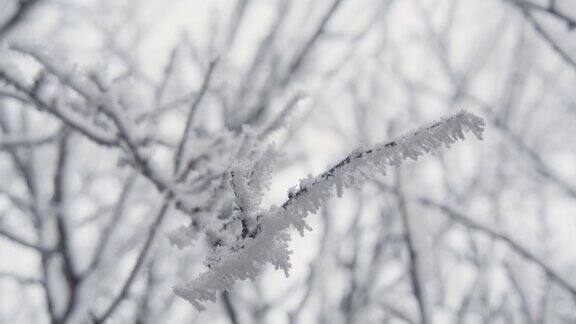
121, 131
270, 243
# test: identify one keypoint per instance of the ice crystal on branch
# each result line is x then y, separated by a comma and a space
270, 243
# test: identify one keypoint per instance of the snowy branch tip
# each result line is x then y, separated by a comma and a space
269, 244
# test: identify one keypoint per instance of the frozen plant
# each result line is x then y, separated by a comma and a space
220, 185
264, 237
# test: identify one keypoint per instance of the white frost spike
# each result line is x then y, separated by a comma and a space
270, 245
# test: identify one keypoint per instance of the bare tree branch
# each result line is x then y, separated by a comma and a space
229, 307
551, 9
414, 257
25, 281
150, 236
547, 38
23, 242
513, 244
187, 130
23, 8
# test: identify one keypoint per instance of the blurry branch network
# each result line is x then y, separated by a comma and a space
223, 205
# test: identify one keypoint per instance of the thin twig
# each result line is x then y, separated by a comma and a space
151, 235
20, 279
414, 256
187, 130
23, 242
510, 242
551, 9
229, 307
24, 7
27, 141
553, 44
106, 234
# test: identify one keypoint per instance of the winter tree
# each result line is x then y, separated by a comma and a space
255, 161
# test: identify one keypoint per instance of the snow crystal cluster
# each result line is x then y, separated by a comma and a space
257, 237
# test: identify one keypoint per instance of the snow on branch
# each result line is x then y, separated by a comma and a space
270, 243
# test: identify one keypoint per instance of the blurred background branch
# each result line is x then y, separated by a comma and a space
110, 109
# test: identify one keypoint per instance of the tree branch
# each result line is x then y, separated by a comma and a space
25, 243
151, 235
414, 257
229, 307
178, 156
24, 7
547, 38
551, 9
270, 244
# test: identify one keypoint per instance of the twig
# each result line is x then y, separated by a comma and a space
106, 234
76, 122
513, 244
540, 30
24, 6
309, 45
229, 307
59, 203
21, 280
397, 313
524, 301
510, 242
355, 169
413, 254
186, 135
23, 242
151, 235
27, 141
551, 9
